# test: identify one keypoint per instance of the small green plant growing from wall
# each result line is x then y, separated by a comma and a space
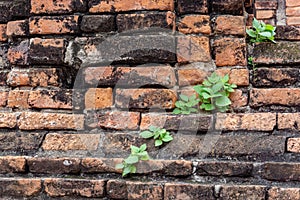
159, 135
251, 63
186, 105
261, 32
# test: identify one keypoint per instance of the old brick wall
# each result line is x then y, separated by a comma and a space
81, 78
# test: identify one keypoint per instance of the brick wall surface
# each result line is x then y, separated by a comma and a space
81, 78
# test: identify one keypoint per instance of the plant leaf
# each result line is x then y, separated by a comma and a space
126, 171
223, 101
134, 149
119, 166
265, 34
217, 87
132, 159
167, 138
132, 169
176, 111
146, 134
184, 97
251, 33
158, 143
143, 147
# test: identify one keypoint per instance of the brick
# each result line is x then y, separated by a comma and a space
231, 7
280, 171
294, 11
8, 120
287, 33
57, 99
126, 22
278, 96
18, 54
4, 61
47, 51
56, 187
12, 164
177, 122
97, 98
275, 77
192, 6
293, 145
188, 191
3, 99
95, 76
34, 120
3, 36
238, 99
35, 77
17, 28
18, 99
54, 165
57, 7
145, 98
239, 77
230, 51
293, 21
117, 189
191, 76
119, 5
248, 121
292, 3
224, 168
68, 142
13, 141
289, 121
195, 24
280, 53
14, 9
20, 187
193, 49
114, 120
256, 192
278, 193
100, 165
234, 25
98, 23
266, 5
265, 14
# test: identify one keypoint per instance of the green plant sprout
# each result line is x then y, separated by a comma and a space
261, 32
160, 135
186, 105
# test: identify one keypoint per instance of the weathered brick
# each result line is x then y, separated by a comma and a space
145, 98
192, 6
238, 99
256, 192
289, 121
234, 25
47, 51
193, 49
35, 120
118, 189
278, 96
191, 76
265, 14
97, 98
224, 168
293, 145
17, 28
14, 9
239, 77
56, 187
282, 52
279, 193
18, 99
280, 171
292, 3
119, 5
20, 187
12, 164
57, 7
68, 142
247, 121
177, 122
3, 36
260, 5
8, 120
275, 77
54, 165
230, 51
293, 11
4, 61
188, 191
116, 120
232, 7
18, 54
98, 23
195, 24
293, 21
100, 165
287, 32
126, 22
99, 76
3, 98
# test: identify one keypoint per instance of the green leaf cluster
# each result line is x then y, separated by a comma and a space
261, 32
160, 135
186, 105
137, 154
214, 93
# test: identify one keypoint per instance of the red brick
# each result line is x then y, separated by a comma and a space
230, 7
278, 96
230, 51
234, 25
278, 193
35, 120
57, 7
98, 23
188, 191
53, 25
18, 99
12, 164
239, 77
20, 187
67, 142
193, 49
238, 99
119, 5
18, 54
292, 3
3, 36
248, 121
17, 28
97, 98
293, 20
266, 5
229, 192
265, 14
293, 11
56, 187
194, 6
281, 171
195, 24
287, 32
293, 145
289, 121
8, 120
100, 165
99, 76
3, 98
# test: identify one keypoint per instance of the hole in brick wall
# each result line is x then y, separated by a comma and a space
249, 5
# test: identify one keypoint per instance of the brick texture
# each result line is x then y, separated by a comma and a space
57, 7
